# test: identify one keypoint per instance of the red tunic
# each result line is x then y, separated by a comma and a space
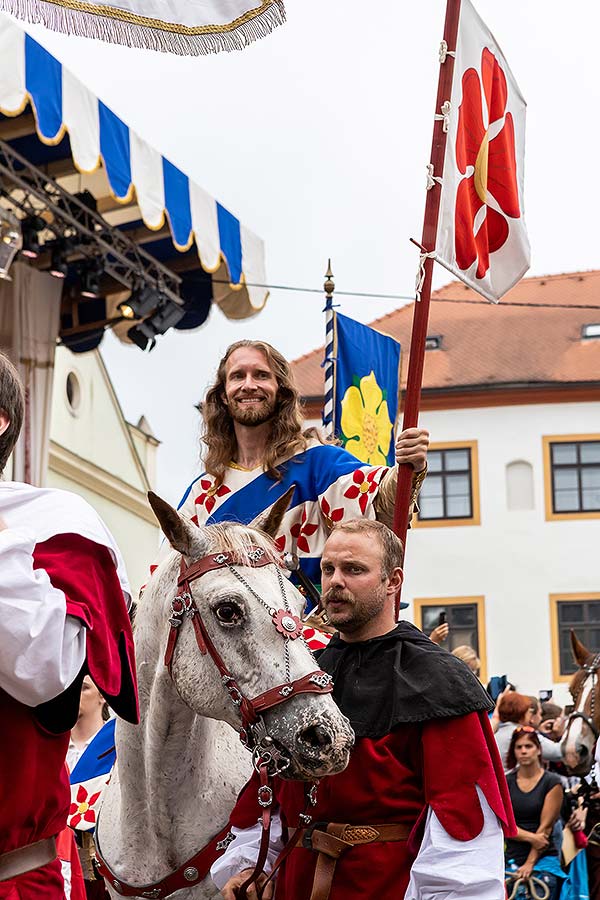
392, 780
34, 790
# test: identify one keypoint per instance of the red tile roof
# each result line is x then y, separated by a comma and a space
536, 342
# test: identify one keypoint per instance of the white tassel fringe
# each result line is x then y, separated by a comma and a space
114, 31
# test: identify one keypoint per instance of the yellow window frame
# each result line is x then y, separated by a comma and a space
547, 440
555, 599
479, 602
475, 518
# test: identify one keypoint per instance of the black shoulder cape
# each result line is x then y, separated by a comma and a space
398, 678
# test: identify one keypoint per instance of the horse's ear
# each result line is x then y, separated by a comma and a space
270, 520
580, 653
181, 535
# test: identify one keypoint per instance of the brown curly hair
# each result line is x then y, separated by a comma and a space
286, 435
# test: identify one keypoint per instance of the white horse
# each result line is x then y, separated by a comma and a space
178, 773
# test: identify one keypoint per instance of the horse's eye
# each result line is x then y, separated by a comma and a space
228, 613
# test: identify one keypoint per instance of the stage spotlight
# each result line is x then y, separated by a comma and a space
90, 279
166, 316
31, 227
11, 241
58, 264
141, 302
142, 335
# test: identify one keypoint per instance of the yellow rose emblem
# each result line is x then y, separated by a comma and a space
366, 424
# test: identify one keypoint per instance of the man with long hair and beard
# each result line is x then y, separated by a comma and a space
257, 449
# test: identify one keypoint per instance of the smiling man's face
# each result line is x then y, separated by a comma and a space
250, 387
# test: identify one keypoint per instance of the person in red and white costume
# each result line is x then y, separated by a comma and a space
422, 808
63, 614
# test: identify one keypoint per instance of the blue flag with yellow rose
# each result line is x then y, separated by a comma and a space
365, 390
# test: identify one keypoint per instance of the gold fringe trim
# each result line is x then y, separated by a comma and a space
116, 26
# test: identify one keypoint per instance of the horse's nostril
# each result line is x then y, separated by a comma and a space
316, 736
583, 751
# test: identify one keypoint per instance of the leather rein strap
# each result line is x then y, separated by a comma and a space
191, 872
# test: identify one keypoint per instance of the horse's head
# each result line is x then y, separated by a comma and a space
577, 745
239, 658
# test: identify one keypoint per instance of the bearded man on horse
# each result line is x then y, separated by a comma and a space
421, 808
257, 449
63, 613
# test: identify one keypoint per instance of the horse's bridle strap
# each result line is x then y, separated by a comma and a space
317, 682
183, 606
219, 561
189, 873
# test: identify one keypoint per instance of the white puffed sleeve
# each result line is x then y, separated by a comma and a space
459, 870
43, 649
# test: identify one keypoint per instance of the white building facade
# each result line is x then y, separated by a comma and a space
94, 452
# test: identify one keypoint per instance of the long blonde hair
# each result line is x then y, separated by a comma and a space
286, 424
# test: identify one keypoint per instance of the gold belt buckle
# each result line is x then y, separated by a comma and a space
360, 834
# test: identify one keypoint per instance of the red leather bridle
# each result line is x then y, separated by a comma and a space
253, 733
267, 758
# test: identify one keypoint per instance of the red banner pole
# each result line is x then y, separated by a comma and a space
412, 399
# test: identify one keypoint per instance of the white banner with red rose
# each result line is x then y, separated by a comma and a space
482, 238
185, 27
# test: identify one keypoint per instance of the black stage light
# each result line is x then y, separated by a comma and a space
144, 333
31, 227
141, 336
141, 302
90, 279
166, 316
58, 264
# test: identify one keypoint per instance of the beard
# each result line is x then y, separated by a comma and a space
255, 415
353, 615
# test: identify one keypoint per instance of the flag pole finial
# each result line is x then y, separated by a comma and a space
329, 286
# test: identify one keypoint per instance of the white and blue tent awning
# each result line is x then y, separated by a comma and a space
52, 119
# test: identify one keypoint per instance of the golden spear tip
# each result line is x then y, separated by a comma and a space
329, 285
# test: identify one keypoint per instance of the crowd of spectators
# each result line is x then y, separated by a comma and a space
548, 803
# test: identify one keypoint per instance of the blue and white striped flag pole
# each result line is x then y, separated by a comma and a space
329, 361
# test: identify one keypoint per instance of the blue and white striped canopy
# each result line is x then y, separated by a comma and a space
69, 116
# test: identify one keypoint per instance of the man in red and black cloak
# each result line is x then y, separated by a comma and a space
63, 614
422, 809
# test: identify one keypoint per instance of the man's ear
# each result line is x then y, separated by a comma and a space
4, 421
395, 581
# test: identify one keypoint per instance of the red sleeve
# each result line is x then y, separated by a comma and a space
459, 753
85, 572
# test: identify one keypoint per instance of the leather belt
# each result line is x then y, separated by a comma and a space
25, 859
330, 840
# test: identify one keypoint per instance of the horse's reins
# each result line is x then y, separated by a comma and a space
268, 760
530, 884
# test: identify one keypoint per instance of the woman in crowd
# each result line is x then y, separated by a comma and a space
536, 797
514, 709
